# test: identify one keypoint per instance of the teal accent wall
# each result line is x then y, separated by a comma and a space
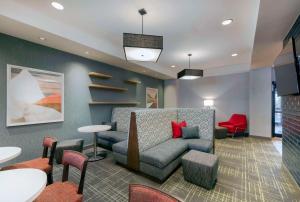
77, 94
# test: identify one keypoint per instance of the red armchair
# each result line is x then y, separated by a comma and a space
236, 123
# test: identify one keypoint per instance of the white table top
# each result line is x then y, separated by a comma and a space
21, 185
93, 128
8, 153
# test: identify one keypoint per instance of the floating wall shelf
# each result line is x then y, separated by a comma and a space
113, 103
100, 75
132, 81
105, 87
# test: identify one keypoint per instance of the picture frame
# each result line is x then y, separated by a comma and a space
151, 97
34, 96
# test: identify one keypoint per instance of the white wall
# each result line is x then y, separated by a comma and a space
260, 100
249, 93
229, 92
170, 94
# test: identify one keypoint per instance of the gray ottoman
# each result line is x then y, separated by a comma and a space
75, 145
200, 168
221, 132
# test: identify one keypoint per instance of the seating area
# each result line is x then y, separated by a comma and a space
149, 101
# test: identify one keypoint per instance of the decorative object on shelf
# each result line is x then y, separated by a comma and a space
131, 81
34, 96
100, 75
113, 103
190, 74
141, 47
208, 103
105, 87
151, 98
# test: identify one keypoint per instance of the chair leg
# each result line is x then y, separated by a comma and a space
49, 178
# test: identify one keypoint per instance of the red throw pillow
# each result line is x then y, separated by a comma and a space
176, 127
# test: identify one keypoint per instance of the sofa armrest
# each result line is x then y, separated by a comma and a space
224, 123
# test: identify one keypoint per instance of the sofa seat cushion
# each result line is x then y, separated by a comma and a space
113, 136
199, 145
162, 154
121, 147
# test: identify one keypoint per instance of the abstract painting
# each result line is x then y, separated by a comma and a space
34, 96
151, 98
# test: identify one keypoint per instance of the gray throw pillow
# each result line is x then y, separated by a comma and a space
190, 132
112, 124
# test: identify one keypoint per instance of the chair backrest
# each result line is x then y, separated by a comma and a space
49, 142
77, 160
238, 118
142, 193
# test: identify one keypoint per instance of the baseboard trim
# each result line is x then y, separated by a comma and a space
261, 137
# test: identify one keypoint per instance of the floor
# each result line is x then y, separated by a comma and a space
250, 170
277, 142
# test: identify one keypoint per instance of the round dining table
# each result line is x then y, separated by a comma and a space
21, 185
95, 129
8, 153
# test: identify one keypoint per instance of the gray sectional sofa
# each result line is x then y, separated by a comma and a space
150, 147
121, 116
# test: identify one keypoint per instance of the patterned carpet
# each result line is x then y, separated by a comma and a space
250, 170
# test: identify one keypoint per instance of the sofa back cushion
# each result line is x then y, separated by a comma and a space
190, 132
203, 118
154, 127
121, 115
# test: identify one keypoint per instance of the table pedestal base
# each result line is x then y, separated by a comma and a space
99, 156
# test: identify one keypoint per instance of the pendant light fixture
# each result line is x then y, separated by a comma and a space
190, 74
142, 47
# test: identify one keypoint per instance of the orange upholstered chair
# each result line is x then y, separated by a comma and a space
44, 163
66, 191
142, 193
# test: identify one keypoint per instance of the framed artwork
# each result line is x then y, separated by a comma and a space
34, 96
151, 98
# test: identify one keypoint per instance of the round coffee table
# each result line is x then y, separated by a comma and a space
95, 129
21, 184
8, 153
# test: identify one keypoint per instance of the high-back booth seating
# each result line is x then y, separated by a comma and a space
120, 120
150, 147
44, 163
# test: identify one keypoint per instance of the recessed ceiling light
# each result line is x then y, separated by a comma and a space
42, 38
234, 54
86, 52
227, 22
173, 66
57, 5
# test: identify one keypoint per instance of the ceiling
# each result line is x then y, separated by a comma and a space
275, 19
190, 26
